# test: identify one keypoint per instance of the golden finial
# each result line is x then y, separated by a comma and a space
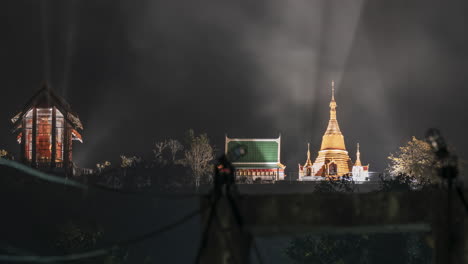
358, 157
333, 90
333, 103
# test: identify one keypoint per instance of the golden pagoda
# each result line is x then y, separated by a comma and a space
332, 159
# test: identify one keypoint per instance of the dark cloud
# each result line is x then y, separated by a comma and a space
137, 72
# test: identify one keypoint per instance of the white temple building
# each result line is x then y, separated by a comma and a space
360, 173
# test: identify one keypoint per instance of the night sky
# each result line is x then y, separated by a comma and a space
141, 71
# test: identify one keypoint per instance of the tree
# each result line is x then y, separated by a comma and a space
399, 182
129, 162
344, 184
415, 160
6, 155
339, 249
103, 165
74, 237
159, 147
175, 146
80, 237
198, 156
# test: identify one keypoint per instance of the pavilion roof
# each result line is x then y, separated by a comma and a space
45, 97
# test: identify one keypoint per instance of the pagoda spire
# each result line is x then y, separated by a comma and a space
333, 139
333, 104
333, 149
308, 161
333, 90
358, 157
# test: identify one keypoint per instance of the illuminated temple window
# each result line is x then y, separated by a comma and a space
45, 128
60, 126
44, 135
28, 132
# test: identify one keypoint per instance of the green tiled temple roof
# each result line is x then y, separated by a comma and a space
257, 151
256, 166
